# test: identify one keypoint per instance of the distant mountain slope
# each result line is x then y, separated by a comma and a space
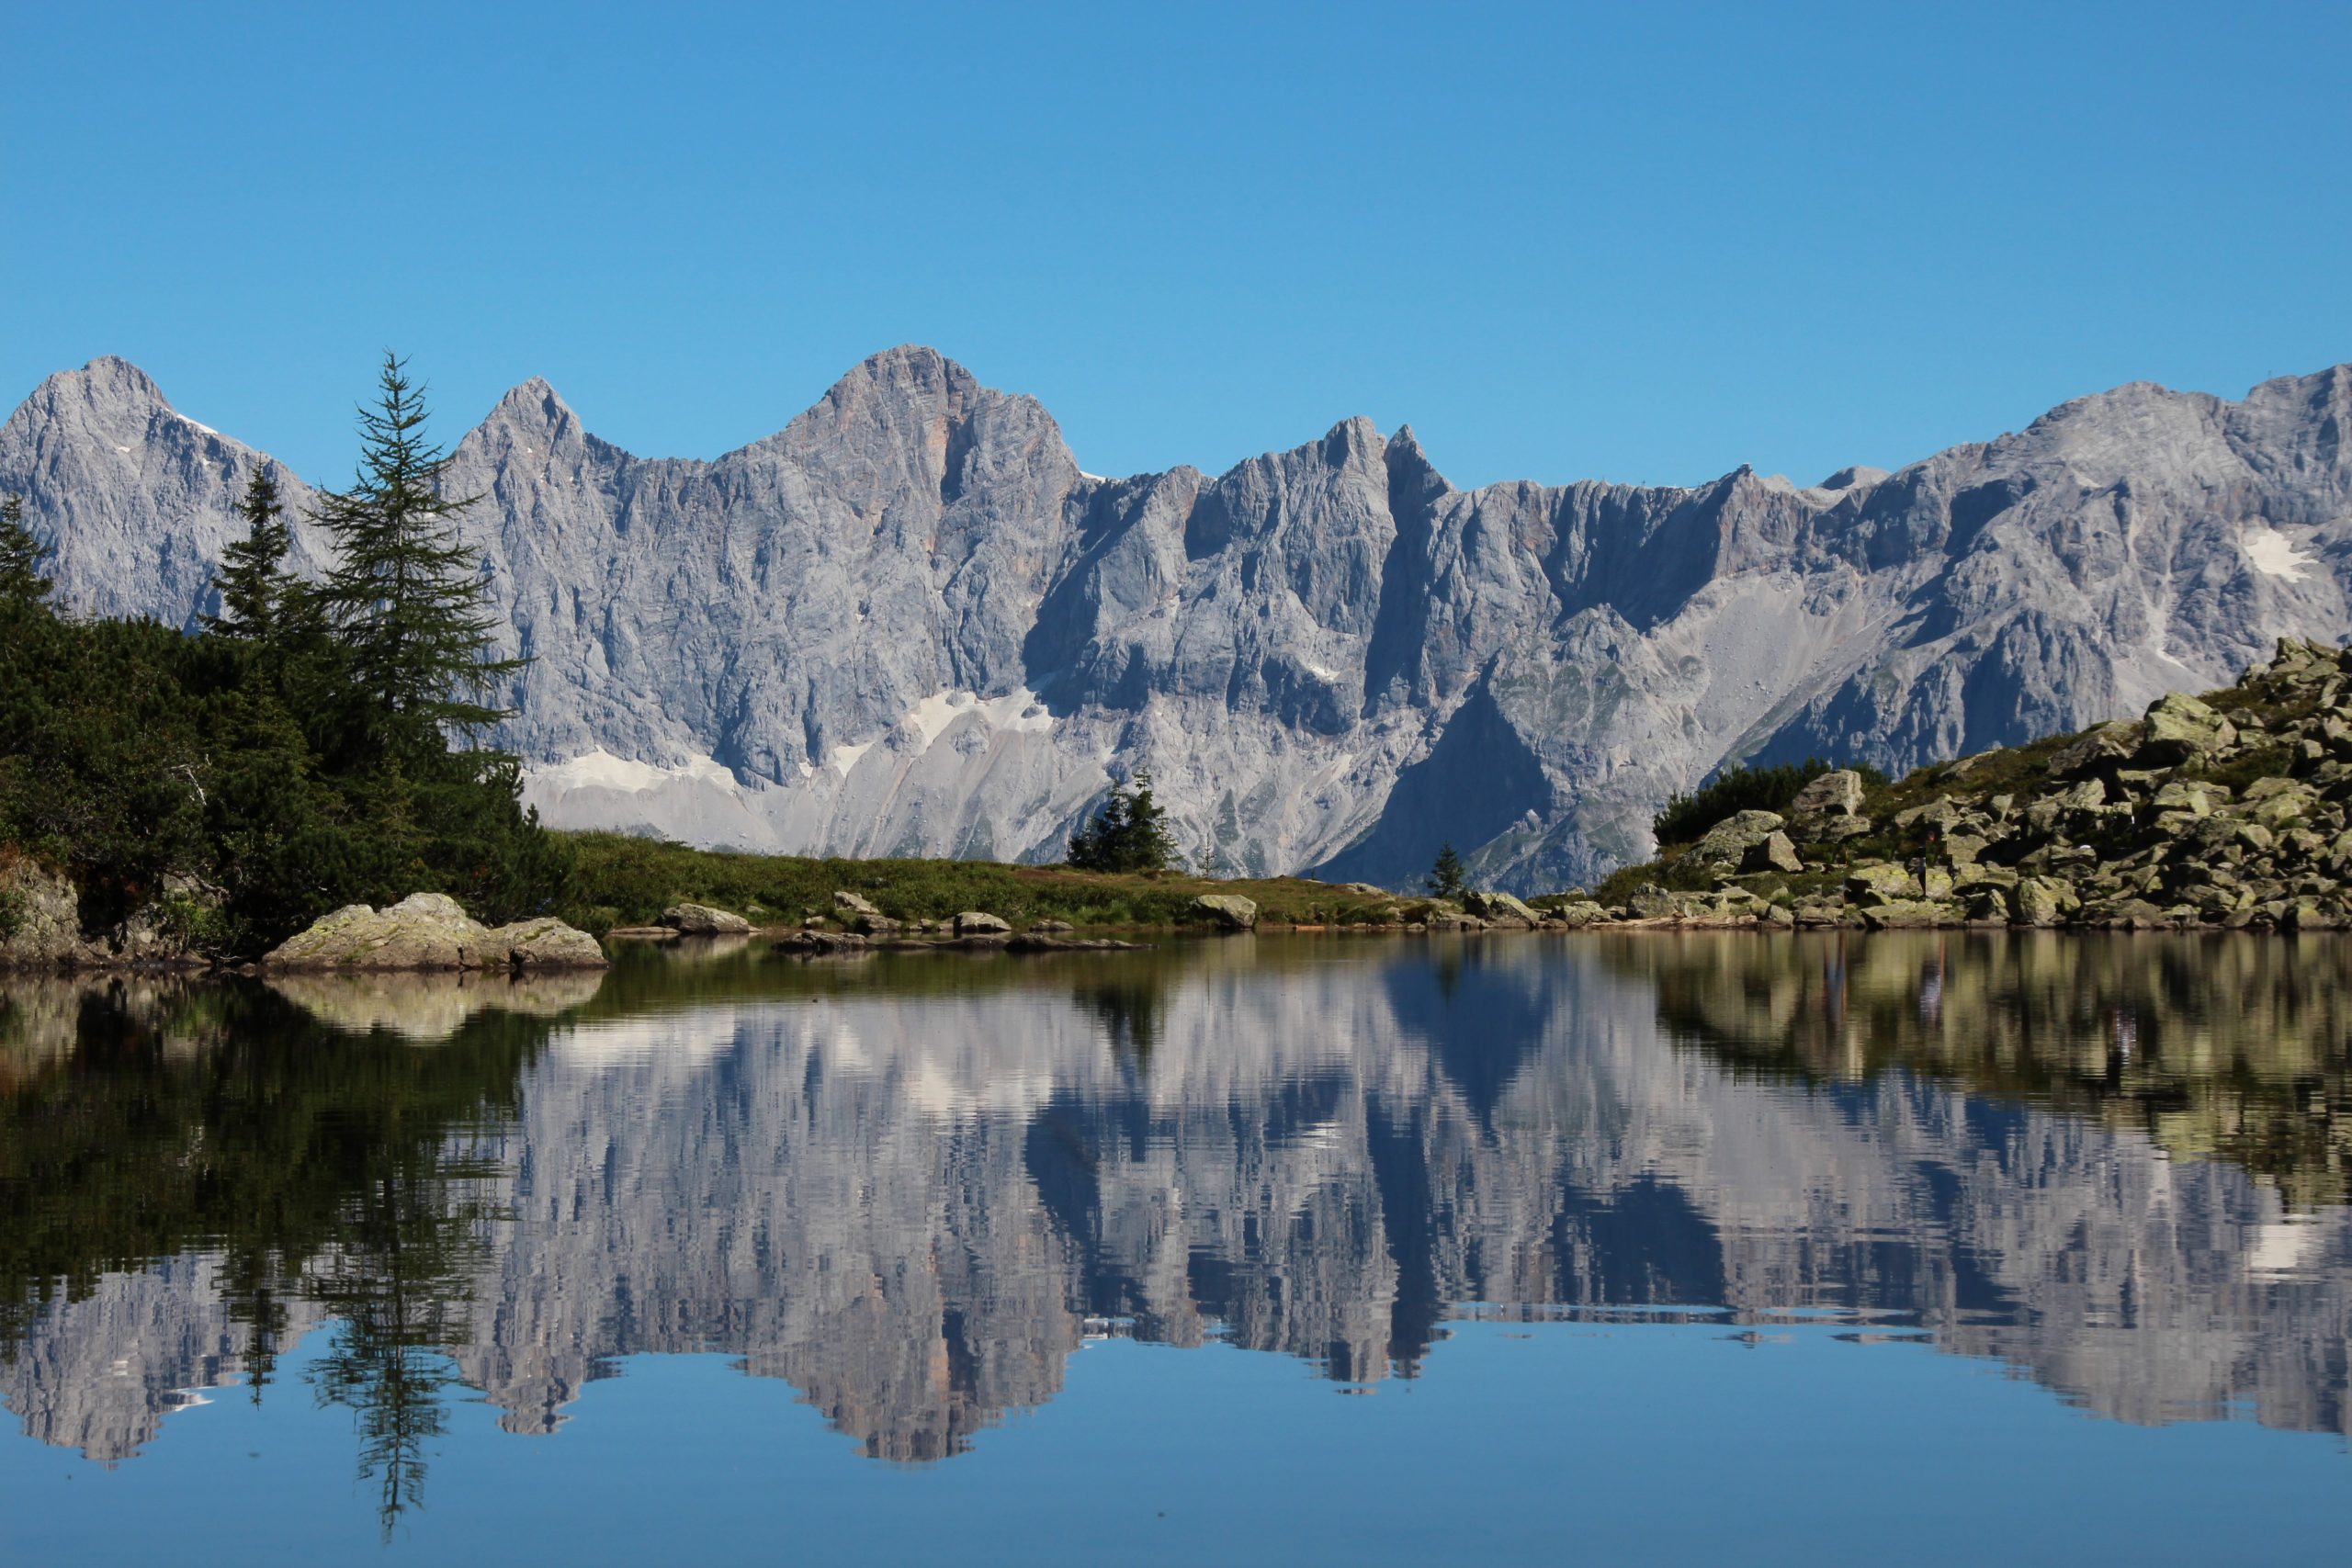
909, 623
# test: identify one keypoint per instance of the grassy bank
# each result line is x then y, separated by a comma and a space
623, 881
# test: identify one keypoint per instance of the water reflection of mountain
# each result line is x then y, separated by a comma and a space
908, 1190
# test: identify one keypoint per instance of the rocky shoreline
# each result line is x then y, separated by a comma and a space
2224, 812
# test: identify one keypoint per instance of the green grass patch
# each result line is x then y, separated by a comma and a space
623, 881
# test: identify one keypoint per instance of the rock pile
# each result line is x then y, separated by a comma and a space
2229, 810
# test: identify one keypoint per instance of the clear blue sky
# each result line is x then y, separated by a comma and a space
1562, 241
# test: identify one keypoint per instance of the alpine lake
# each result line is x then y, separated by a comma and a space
1646, 1246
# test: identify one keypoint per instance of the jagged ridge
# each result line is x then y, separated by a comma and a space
909, 623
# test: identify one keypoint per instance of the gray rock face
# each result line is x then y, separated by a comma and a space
908, 623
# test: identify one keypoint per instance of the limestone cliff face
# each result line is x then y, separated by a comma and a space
909, 623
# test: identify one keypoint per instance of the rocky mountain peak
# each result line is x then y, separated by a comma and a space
109, 398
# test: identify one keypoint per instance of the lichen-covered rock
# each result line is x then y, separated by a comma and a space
1499, 908
2102, 746
1905, 914
861, 916
1226, 911
1772, 852
1576, 914
424, 931
547, 943
2041, 901
1881, 882
978, 922
1729, 841
41, 920
701, 919
2178, 727
1838, 793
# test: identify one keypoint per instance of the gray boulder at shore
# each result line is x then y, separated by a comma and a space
910, 624
701, 919
1226, 911
430, 931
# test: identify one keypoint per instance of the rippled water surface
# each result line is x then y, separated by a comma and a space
1719, 1248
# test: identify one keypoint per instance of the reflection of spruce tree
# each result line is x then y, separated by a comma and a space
254, 1296
398, 1280
1129, 1010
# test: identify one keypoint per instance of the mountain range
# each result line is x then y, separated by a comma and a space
910, 624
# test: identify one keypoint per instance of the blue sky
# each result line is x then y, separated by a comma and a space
1643, 243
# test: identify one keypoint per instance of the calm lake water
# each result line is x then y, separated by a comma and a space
1646, 1248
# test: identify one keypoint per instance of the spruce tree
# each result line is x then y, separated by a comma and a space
256, 591
1448, 878
22, 584
403, 597
1129, 834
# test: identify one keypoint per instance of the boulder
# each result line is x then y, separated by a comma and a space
1906, 914
40, 918
2193, 795
1939, 814
1226, 911
429, 931
1499, 906
2178, 727
1880, 882
547, 943
701, 919
2041, 901
1838, 793
858, 915
1650, 902
808, 940
1729, 841
852, 908
1577, 913
170, 932
1053, 928
978, 922
2103, 746
1772, 852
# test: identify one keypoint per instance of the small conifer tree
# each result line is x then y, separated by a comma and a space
1129, 834
257, 593
22, 582
1447, 878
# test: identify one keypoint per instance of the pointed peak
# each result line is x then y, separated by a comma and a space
910, 367
1352, 437
534, 402
109, 379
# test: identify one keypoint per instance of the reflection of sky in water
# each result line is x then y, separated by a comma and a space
1714, 1199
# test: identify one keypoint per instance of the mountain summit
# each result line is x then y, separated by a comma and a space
909, 623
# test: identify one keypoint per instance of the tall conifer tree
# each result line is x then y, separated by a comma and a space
404, 597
